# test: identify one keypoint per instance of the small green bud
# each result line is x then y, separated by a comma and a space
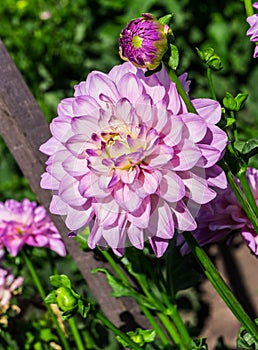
209, 57
65, 299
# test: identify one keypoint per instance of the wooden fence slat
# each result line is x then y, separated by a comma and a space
24, 128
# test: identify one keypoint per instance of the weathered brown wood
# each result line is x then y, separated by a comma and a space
24, 129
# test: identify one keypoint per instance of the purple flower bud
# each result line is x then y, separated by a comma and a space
143, 41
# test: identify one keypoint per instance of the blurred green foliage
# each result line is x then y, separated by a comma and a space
56, 43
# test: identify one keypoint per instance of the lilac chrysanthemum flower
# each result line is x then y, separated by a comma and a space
27, 223
144, 41
253, 30
222, 217
9, 286
127, 158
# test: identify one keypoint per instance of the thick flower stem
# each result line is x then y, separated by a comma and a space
117, 331
181, 90
249, 7
76, 334
163, 337
220, 285
42, 293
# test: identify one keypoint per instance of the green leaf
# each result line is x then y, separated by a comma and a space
140, 337
68, 314
59, 281
166, 19
234, 103
173, 60
119, 289
199, 344
245, 340
247, 148
240, 100
229, 102
51, 298
136, 267
83, 307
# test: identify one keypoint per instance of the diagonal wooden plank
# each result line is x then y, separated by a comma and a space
24, 129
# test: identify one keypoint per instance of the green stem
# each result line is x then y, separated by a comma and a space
177, 319
168, 324
220, 285
146, 312
249, 195
163, 337
210, 83
172, 331
181, 90
235, 132
249, 7
42, 293
117, 331
76, 334
240, 196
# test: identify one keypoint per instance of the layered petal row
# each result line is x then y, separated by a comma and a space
126, 158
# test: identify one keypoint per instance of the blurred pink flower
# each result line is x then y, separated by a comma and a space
26, 223
253, 30
219, 219
8, 287
127, 158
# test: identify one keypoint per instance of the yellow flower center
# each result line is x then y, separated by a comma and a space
137, 41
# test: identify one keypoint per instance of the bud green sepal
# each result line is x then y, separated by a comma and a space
209, 57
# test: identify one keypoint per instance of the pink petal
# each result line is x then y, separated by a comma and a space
75, 166
77, 144
208, 109
61, 128
57, 206
196, 126
161, 222
89, 186
126, 197
86, 125
100, 83
51, 146
107, 211
216, 177
172, 188
84, 105
186, 157
130, 87
158, 245
197, 188
78, 218
69, 193
136, 236
64, 108
141, 216
48, 182
182, 217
